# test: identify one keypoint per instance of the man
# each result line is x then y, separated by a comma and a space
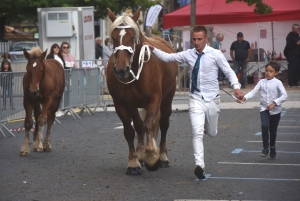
98, 48
242, 51
292, 53
204, 98
218, 45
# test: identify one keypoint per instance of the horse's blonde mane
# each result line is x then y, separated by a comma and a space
126, 20
35, 52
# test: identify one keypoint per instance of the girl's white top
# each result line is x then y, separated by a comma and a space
270, 91
56, 57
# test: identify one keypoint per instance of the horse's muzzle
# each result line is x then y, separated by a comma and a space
34, 93
122, 73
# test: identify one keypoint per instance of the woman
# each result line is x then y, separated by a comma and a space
69, 59
6, 81
56, 54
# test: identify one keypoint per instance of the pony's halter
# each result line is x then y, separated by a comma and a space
145, 48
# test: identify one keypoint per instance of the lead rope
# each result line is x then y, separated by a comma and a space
144, 49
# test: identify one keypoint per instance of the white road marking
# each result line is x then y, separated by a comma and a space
272, 164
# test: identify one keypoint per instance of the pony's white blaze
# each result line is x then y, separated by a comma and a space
122, 33
34, 64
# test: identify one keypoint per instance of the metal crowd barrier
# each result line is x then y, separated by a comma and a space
84, 88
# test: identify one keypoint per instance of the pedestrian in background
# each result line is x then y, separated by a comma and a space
204, 98
55, 53
106, 51
98, 48
272, 95
70, 61
292, 54
217, 44
242, 51
6, 83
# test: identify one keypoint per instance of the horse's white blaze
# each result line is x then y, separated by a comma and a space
34, 64
122, 33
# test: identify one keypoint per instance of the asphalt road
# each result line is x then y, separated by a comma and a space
89, 158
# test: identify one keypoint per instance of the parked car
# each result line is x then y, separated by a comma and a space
15, 54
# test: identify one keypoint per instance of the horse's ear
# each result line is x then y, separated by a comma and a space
111, 16
136, 15
26, 54
43, 55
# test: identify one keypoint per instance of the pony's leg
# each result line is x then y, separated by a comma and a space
36, 113
151, 159
50, 120
138, 126
134, 166
38, 146
25, 150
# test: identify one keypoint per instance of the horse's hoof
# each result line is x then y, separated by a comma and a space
164, 164
134, 171
154, 167
24, 154
142, 163
47, 149
38, 149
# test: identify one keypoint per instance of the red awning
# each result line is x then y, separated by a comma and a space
219, 12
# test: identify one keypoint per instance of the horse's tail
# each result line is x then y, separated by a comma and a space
143, 113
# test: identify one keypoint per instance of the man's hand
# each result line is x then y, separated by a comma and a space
238, 94
271, 106
241, 101
150, 46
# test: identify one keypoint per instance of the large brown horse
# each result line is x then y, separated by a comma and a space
43, 87
135, 84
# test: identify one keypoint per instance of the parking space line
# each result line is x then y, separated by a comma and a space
271, 164
292, 142
239, 150
209, 176
259, 133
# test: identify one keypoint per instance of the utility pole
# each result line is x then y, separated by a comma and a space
193, 17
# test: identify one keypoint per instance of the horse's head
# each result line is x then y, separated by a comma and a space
124, 34
35, 67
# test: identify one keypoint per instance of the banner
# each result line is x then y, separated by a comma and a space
152, 14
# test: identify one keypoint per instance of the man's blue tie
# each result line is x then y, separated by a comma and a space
195, 74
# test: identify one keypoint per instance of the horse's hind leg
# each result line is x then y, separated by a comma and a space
25, 150
166, 110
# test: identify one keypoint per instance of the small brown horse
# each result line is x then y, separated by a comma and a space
134, 84
43, 87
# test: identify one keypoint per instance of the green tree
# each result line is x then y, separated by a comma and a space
260, 6
20, 10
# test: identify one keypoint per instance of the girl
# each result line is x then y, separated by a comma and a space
6, 83
55, 53
272, 95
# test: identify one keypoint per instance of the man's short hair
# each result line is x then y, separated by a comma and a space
295, 25
98, 38
200, 28
219, 35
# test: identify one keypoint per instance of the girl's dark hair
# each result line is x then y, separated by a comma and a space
274, 65
51, 54
2, 65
